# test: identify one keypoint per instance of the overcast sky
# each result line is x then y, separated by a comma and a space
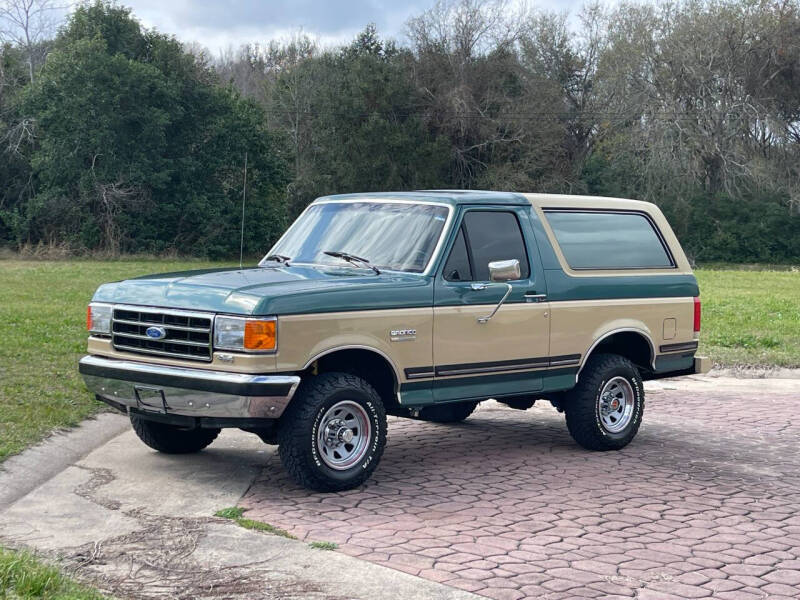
218, 24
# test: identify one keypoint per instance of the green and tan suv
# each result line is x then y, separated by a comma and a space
414, 304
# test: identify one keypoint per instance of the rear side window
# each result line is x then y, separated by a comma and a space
608, 240
484, 237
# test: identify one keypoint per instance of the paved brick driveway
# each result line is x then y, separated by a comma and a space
704, 503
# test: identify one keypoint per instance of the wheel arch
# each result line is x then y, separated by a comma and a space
368, 362
633, 343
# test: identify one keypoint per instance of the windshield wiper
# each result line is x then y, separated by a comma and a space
280, 258
353, 259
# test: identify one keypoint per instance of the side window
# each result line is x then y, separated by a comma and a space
457, 267
494, 235
608, 240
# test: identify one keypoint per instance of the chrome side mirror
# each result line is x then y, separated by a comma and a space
505, 270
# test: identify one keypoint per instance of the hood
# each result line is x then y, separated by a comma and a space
272, 290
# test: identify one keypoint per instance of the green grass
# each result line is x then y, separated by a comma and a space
750, 317
261, 526
324, 545
235, 513
42, 335
24, 577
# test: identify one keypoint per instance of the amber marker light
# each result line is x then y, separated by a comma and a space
89, 317
260, 335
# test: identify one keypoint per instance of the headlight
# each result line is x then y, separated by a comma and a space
98, 318
248, 335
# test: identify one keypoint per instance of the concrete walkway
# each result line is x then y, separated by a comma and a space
139, 525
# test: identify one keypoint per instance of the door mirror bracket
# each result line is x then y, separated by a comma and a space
500, 271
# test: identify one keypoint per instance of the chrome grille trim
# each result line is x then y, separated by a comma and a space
176, 327
189, 333
182, 342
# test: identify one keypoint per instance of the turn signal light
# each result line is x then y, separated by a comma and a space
98, 318
260, 335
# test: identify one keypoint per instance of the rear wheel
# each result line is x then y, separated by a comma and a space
448, 413
332, 436
171, 439
605, 408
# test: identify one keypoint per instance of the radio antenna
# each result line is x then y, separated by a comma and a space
244, 199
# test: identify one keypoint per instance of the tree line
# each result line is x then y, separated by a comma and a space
116, 138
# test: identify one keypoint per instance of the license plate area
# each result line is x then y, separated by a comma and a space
150, 398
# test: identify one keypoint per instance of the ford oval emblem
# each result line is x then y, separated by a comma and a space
157, 333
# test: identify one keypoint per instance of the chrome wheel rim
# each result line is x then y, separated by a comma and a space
615, 404
343, 435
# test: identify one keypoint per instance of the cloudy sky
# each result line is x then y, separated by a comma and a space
219, 24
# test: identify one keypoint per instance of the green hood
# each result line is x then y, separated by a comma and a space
272, 291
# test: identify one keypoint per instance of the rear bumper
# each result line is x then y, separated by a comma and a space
702, 365
165, 390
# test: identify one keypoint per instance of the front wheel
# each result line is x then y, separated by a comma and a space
605, 408
332, 436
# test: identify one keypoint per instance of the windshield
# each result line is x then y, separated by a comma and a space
394, 236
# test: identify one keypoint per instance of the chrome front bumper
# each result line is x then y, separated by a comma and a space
187, 392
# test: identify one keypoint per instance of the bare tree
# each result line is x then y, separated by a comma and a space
464, 48
27, 24
290, 86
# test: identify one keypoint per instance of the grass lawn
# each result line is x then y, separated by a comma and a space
749, 318
24, 577
43, 325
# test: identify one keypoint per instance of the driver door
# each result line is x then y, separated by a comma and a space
506, 355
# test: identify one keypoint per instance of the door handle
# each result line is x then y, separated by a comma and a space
534, 296
478, 287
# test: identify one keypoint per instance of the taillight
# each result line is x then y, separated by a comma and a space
697, 314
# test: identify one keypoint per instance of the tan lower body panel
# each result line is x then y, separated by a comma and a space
304, 338
517, 331
578, 324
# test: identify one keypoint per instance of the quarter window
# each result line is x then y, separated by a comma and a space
485, 236
608, 240
457, 266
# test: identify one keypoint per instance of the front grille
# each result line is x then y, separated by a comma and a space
188, 334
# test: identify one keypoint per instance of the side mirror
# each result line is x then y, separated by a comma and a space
504, 270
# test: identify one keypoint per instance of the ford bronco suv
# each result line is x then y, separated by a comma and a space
416, 305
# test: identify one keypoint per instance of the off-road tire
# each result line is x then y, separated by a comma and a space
299, 425
170, 439
448, 413
581, 404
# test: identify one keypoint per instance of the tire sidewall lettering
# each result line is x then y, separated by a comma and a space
636, 385
375, 434
314, 434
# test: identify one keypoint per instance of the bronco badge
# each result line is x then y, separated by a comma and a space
403, 335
